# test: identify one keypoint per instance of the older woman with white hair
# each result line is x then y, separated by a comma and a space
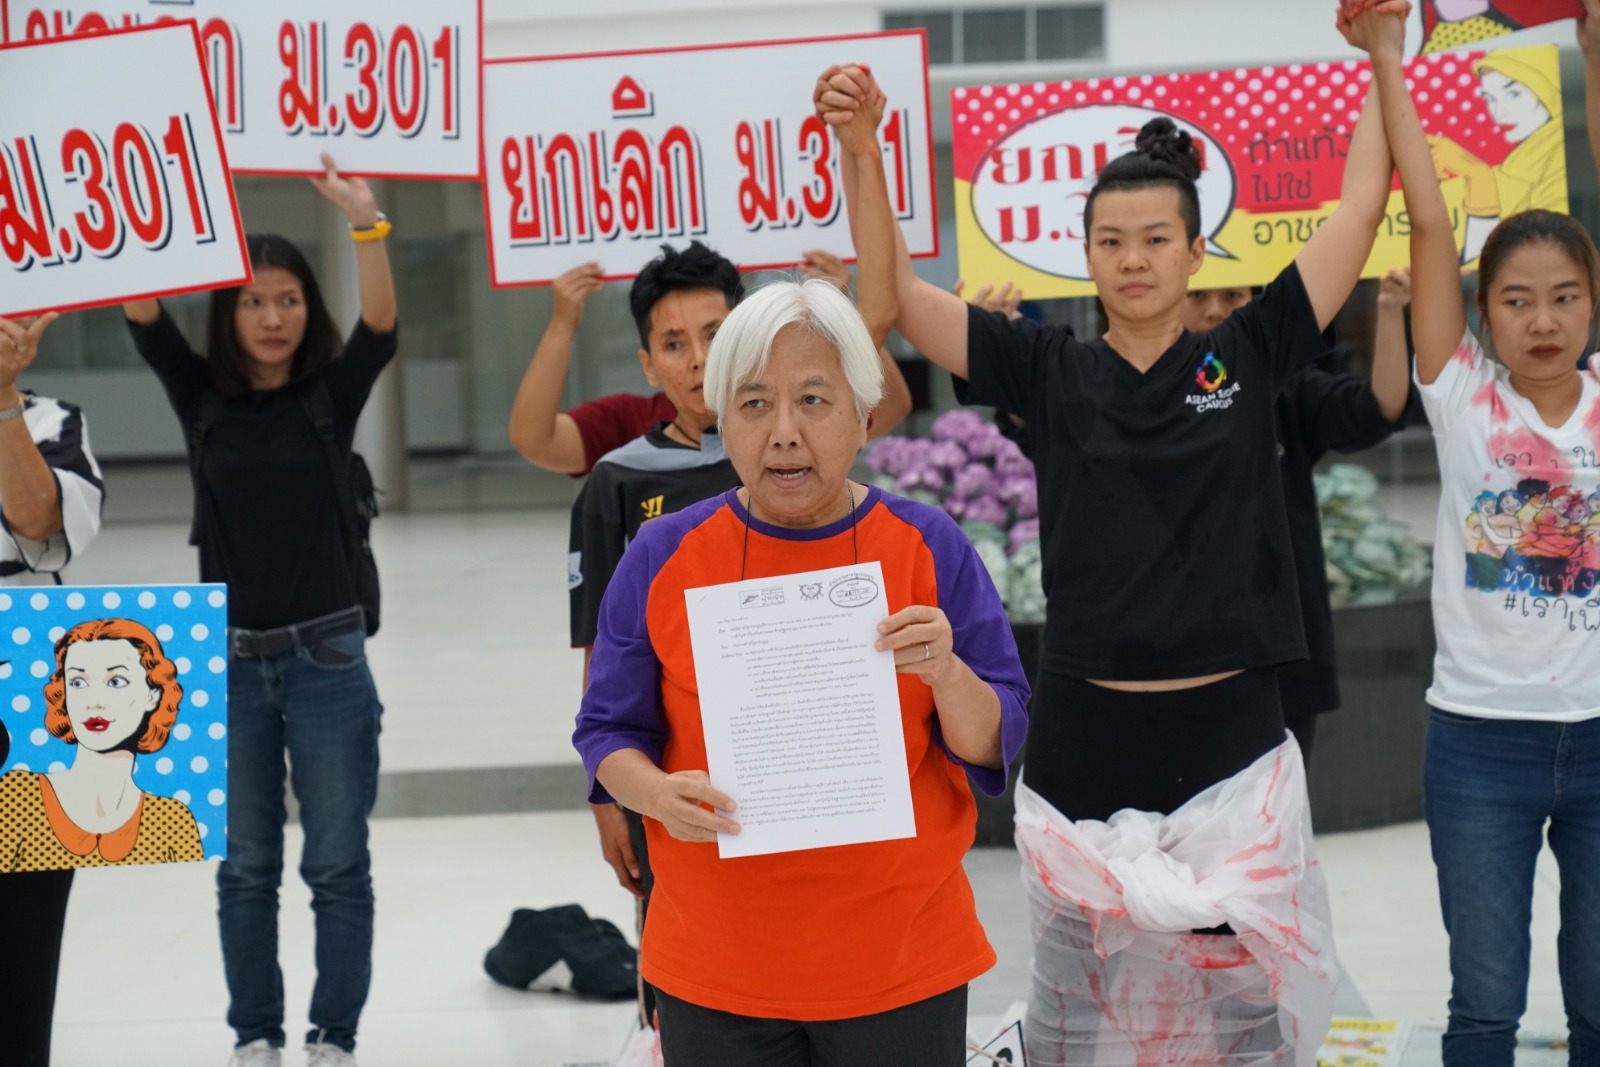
848, 954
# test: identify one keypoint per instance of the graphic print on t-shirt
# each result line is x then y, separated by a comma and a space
1209, 376
1536, 538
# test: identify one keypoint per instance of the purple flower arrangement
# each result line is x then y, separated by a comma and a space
981, 479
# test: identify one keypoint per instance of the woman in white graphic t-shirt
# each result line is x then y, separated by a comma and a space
1514, 736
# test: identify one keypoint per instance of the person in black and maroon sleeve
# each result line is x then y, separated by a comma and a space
572, 441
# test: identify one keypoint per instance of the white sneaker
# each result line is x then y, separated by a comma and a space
257, 1053
320, 1055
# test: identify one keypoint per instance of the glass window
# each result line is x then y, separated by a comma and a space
994, 35
941, 31
1070, 33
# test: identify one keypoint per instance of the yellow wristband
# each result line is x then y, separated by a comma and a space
376, 232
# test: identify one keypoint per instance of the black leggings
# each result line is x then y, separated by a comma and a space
1093, 751
927, 1033
33, 910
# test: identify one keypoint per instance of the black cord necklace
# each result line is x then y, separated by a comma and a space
749, 510
694, 442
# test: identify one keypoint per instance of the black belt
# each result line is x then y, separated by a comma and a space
242, 643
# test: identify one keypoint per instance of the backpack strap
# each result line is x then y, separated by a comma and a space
318, 406
211, 405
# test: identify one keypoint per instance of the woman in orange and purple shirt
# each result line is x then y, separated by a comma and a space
848, 954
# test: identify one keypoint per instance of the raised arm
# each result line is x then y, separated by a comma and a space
142, 312
1589, 41
539, 429
932, 319
29, 499
353, 197
1438, 318
1391, 370
1330, 263
895, 405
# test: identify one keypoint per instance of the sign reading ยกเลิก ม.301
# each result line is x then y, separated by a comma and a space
389, 88
110, 196
1273, 143
603, 157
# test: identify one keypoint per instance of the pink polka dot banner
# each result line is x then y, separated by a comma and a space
1273, 142
114, 709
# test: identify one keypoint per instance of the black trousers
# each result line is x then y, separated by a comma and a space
1093, 751
647, 880
927, 1033
33, 910
1304, 727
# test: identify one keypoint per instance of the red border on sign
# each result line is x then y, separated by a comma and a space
388, 175
222, 151
927, 92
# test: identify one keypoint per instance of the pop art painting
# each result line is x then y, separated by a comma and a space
1452, 24
114, 703
1273, 143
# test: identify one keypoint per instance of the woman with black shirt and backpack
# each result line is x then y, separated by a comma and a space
1178, 913
270, 414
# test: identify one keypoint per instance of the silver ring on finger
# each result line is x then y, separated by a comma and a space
927, 653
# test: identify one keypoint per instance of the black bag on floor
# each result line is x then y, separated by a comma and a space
564, 950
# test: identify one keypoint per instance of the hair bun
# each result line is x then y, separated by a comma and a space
1162, 141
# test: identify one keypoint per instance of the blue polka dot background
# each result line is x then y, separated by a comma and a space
191, 622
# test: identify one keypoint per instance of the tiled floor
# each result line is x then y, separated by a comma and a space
475, 673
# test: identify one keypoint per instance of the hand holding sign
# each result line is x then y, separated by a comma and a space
350, 195
828, 267
573, 289
19, 343
1394, 289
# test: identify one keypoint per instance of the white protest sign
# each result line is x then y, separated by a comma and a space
603, 157
107, 196
389, 88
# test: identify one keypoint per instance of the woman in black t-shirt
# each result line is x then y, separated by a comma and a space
270, 415
1163, 626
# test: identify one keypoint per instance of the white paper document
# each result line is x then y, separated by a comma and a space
801, 714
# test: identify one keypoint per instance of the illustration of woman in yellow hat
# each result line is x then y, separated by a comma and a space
1526, 103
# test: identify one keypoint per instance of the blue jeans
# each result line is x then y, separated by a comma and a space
1490, 786
319, 705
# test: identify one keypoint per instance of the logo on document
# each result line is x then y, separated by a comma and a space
770, 597
853, 590
811, 591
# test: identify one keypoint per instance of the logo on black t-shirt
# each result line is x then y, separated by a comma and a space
1210, 374
653, 507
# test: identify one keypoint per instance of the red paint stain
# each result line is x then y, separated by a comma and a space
1257, 849
1489, 396
1533, 456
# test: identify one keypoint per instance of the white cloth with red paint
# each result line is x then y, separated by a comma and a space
1516, 554
1120, 976
643, 1049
